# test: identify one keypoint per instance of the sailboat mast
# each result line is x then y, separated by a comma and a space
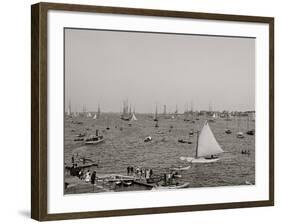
98, 113
196, 155
248, 122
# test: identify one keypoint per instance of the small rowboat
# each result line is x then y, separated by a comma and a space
127, 183
251, 132
118, 182
240, 135
182, 141
228, 131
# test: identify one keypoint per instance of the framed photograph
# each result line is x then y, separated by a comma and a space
141, 111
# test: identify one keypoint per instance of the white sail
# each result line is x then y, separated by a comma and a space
95, 117
214, 115
68, 111
134, 118
207, 143
89, 115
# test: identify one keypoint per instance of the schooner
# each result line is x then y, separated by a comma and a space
127, 114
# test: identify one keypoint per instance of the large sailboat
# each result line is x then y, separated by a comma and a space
207, 147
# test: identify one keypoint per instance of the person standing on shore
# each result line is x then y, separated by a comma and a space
72, 159
128, 170
88, 176
93, 178
150, 172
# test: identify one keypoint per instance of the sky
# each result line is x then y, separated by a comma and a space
148, 69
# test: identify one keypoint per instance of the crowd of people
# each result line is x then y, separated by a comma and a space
170, 177
145, 173
88, 177
139, 172
82, 175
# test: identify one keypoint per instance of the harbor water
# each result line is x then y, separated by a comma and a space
124, 146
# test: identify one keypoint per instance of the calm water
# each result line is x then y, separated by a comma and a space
127, 148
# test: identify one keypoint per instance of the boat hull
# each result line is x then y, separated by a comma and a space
200, 160
94, 142
171, 187
180, 168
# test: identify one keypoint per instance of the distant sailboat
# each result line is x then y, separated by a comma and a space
95, 117
126, 115
156, 114
186, 114
134, 118
156, 124
207, 147
89, 114
98, 113
165, 110
228, 117
75, 114
68, 113
227, 130
252, 131
239, 134
176, 111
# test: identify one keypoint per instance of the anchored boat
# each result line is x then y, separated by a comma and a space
126, 115
94, 139
155, 118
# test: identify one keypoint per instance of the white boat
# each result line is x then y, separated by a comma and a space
207, 147
201, 160
180, 168
184, 185
89, 114
240, 134
95, 117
